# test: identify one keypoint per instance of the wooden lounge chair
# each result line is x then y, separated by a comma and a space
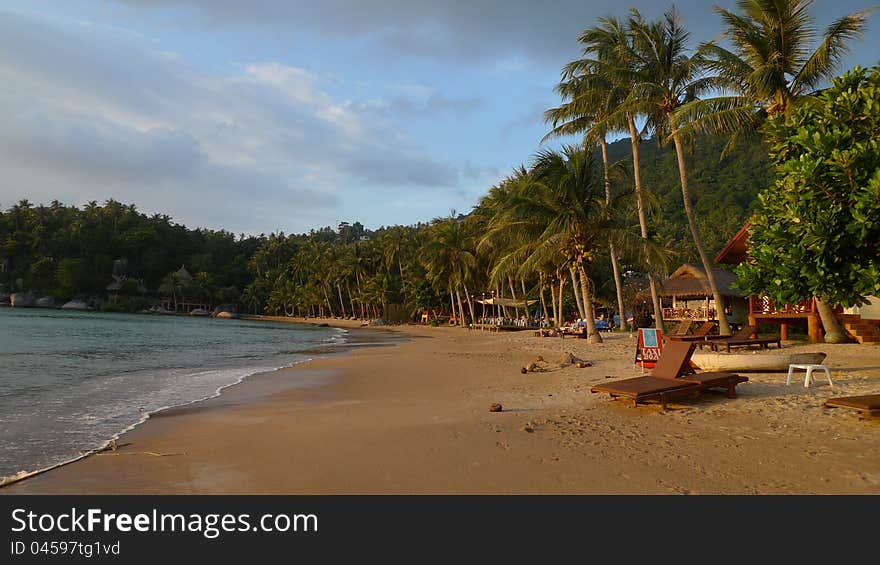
671, 376
742, 338
869, 404
681, 329
700, 334
745, 332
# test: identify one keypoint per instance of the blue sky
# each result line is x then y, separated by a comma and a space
266, 115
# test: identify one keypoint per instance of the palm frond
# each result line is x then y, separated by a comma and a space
830, 52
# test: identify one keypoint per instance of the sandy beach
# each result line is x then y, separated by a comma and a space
414, 418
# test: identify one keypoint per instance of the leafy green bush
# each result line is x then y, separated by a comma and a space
816, 229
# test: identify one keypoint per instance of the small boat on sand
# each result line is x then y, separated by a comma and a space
753, 361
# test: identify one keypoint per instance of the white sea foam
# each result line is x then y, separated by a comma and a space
99, 376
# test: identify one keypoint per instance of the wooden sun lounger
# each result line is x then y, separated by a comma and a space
700, 334
681, 329
745, 337
863, 404
669, 378
716, 380
764, 342
640, 389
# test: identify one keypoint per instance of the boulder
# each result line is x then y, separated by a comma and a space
225, 315
229, 308
76, 305
46, 302
21, 299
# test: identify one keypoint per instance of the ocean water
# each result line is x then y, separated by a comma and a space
71, 381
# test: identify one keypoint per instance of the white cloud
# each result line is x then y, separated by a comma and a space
96, 113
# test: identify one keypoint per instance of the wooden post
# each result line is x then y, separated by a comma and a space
813, 328
783, 331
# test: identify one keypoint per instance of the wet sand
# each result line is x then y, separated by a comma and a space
414, 418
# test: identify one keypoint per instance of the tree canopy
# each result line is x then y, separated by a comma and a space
816, 229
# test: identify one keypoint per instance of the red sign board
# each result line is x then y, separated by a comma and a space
649, 347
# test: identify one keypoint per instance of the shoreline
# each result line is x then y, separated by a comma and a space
414, 418
196, 404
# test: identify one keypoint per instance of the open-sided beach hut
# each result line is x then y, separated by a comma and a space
687, 296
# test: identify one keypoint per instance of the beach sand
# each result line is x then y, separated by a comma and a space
414, 418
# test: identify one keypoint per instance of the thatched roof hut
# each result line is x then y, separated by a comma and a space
183, 276
689, 282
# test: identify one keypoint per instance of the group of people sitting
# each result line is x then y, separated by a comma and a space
578, 328
522, 322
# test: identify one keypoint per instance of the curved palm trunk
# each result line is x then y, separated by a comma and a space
357, 280
723, 326
593, 335
498, 293
833, 332
561, 295
327, 300
615, 266
460, 309
577, 298
643, 224
513, 295
452, 301
543, 301
402, 282
350, 300
341, 301
556, 322
467, 296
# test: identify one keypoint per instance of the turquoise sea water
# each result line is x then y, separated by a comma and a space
71, 381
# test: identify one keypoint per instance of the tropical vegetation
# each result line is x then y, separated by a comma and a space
665, 149
816, 229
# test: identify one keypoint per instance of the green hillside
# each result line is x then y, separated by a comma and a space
724, 191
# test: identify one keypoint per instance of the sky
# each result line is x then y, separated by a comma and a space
261, 116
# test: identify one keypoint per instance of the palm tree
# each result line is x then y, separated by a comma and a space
171, 285
666, 78
250, 298
590, 98
608, 60
449, 260
772, 65
562, 201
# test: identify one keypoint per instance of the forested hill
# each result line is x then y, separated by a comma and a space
723, 191
67, 251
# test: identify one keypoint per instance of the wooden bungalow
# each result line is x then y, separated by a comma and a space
687, 296
863, 322
183, 305
762, 309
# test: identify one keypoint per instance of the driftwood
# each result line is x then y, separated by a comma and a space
112, 448
540, 365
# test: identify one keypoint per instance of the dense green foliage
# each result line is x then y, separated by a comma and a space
556, 231
816, 231
723, 190
69, 252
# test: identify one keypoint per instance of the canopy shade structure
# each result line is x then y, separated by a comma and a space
507, 302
